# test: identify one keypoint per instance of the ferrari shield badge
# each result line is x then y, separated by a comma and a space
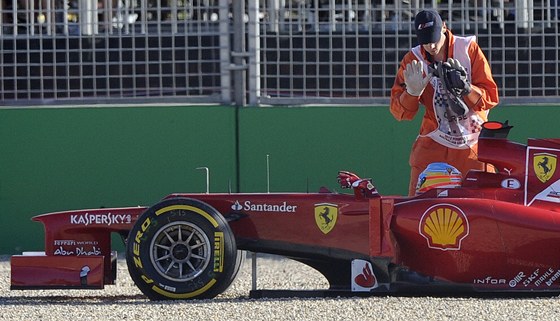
325, 216
544, 165
444, 226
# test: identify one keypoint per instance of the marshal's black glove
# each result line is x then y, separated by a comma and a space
452, 95
456, 77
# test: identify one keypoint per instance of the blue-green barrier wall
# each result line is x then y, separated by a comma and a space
70, 158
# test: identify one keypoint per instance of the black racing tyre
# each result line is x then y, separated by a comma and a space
182, 249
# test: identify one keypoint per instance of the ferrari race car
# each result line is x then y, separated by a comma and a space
499, 232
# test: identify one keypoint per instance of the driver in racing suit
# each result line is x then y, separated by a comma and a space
450, 127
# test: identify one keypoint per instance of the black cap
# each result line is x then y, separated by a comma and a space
428, 26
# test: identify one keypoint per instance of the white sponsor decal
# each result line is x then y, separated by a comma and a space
546, 274
283, 207
363, 278
537, 278
517, 279
553, 278
531, 278
489, 280
64, 242
100, 219
511, 183
79, 251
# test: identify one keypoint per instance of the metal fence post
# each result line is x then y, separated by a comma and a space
225, 33
254, 46
238, 54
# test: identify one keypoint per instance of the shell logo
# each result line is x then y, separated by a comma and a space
444, 226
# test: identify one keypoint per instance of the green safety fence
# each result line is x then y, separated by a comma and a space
54, 159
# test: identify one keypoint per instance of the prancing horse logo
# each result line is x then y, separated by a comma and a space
544, 165
325, 216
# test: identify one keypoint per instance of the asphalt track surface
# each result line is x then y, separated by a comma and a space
124, 301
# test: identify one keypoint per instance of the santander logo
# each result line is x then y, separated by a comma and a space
363, 278
283, 207
366, 279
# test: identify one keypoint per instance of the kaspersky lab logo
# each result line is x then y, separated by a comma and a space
249, 206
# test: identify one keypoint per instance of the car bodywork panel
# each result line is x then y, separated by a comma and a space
499, 232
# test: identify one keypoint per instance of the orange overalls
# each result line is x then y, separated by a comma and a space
445, 137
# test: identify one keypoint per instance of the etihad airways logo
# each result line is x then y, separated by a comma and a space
249, 206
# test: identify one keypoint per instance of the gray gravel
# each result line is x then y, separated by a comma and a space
124, 301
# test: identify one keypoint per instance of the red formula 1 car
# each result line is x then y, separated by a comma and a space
497, 233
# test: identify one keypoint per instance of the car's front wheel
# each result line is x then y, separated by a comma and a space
181, 249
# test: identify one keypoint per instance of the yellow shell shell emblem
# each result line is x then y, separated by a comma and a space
325, 216
444, 226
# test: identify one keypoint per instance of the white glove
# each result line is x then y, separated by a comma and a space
414, 78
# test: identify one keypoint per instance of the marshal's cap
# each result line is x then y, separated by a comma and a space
428, 25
